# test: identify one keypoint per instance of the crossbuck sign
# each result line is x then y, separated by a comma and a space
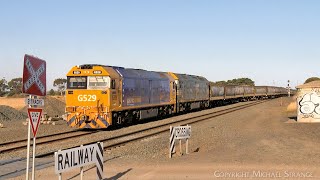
34, 76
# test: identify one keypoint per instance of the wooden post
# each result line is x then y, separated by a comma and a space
170, 142
81, 173
180, 147
187, 146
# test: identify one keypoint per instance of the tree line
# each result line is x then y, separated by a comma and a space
14, 87
235, 82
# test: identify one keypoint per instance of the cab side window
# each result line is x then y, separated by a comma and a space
113, 84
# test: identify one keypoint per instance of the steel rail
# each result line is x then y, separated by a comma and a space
23, 140
42, 140
191, 119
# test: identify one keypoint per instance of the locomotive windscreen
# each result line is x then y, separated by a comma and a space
77, 82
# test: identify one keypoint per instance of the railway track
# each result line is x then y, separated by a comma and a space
145, 133
21, 144
120, 140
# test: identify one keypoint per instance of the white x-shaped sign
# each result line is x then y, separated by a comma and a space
34, 76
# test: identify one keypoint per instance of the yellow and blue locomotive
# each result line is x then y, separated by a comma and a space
98, 96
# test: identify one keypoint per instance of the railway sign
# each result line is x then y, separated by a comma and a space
34, 76
182, 132
78, 157
179, 133
34, 117
34, 102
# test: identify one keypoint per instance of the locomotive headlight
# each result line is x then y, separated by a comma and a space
97, 72
76, 72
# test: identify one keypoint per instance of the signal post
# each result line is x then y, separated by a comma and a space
34, 84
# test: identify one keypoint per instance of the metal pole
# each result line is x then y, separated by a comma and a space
289, 93
28, 146
33, 157
288, 88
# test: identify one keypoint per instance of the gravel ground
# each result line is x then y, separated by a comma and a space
13, 119
8, 113
15, 130
19, 131
260, 138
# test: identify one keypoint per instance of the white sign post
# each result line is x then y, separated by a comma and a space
34, 120
34, 83
28, 146
78, 157
179, 133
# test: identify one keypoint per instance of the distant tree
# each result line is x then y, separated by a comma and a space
60, 83
15, 86
237, 82
312, 79
241, 81
3, 87
51, 92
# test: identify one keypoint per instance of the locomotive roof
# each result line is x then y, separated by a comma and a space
139, 73
90, 66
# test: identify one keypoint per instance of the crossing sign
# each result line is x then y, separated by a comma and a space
34, 102
34, 117
182, 132
34, 76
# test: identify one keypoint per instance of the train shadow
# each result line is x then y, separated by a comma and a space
114, 177
293, 118
119, 175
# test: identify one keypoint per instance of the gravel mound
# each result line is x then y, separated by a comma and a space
8, 113
52, 106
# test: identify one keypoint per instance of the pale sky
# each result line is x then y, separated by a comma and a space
269, 41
